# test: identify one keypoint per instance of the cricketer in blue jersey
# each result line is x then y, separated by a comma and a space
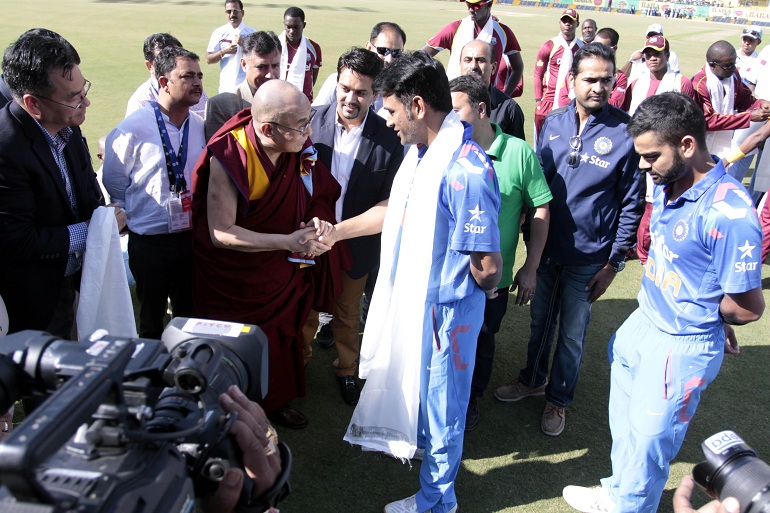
440, 258
703, 273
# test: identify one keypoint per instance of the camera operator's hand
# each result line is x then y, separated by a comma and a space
682, 500
261, 460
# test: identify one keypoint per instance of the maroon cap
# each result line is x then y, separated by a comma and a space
657, 43
570, 13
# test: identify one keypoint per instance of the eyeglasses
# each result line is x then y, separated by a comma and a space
476, 7
573, 159
232, 11
752, 33
388, 51
726, 67
86, 88
300, 131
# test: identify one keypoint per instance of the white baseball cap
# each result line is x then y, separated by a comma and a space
657, 28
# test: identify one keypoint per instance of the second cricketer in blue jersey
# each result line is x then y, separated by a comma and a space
702, 274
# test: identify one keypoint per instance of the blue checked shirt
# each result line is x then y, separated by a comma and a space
78, 231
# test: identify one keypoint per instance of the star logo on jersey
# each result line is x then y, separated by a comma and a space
584, 157
476, 213
603, 145
746, 250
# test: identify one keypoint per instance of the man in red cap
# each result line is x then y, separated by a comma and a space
554, 60
480, 24
659, 79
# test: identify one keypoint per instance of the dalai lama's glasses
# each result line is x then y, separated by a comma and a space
300, 131
574, 157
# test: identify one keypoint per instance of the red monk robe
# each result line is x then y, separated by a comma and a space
265, 288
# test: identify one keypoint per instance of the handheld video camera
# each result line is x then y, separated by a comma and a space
127, 425
732, 469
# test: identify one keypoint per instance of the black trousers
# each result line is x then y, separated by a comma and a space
162, 267
494, 311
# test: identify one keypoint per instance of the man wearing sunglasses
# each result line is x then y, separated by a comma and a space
726, 102
591, 167
480, 24
255, 189
387, 40
48, 189
751, 38
225, 46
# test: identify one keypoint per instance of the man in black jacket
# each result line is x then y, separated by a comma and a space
48, 189
363, 154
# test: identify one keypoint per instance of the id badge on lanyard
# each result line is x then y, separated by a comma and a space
179, 206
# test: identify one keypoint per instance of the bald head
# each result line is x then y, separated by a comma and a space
478, 58
281, 117
277, 98
720, 50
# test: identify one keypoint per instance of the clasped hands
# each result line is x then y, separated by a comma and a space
314, 238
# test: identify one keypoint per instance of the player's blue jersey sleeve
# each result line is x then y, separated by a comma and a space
473, 200
734, 237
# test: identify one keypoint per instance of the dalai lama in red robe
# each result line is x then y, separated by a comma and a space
255, 261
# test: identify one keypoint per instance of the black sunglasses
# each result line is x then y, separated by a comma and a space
388, 51
573, 159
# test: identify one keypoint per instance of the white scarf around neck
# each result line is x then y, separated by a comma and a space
564, 66
722, 93
671, 81
385, 418
463, 36
294, 72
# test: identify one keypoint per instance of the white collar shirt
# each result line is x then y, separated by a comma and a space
346, 144
135, 172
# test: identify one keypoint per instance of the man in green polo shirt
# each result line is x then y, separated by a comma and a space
522, 185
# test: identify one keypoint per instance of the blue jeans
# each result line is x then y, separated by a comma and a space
656, 383
561, 296
448, 356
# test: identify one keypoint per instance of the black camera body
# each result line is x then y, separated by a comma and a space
732, 469
126, 425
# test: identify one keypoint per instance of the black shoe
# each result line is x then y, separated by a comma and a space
472, 415
287, 416
349, 389
325, 336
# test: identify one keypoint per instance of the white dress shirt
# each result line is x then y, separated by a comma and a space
346, 145
135, 172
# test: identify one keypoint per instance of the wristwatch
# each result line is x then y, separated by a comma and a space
617, 266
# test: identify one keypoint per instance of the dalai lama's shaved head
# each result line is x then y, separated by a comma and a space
282, 116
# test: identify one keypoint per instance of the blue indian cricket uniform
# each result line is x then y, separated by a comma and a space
704, 244
466, 221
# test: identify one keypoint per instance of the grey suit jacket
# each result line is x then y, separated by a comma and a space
378, 158
223, 106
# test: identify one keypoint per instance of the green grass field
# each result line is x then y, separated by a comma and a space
509, 464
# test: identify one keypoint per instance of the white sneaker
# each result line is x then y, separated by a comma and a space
588, 500
409, 505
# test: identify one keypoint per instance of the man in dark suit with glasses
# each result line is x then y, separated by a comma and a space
48, 189
591, 167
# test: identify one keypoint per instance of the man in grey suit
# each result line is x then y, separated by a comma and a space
262, 62
363, 154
